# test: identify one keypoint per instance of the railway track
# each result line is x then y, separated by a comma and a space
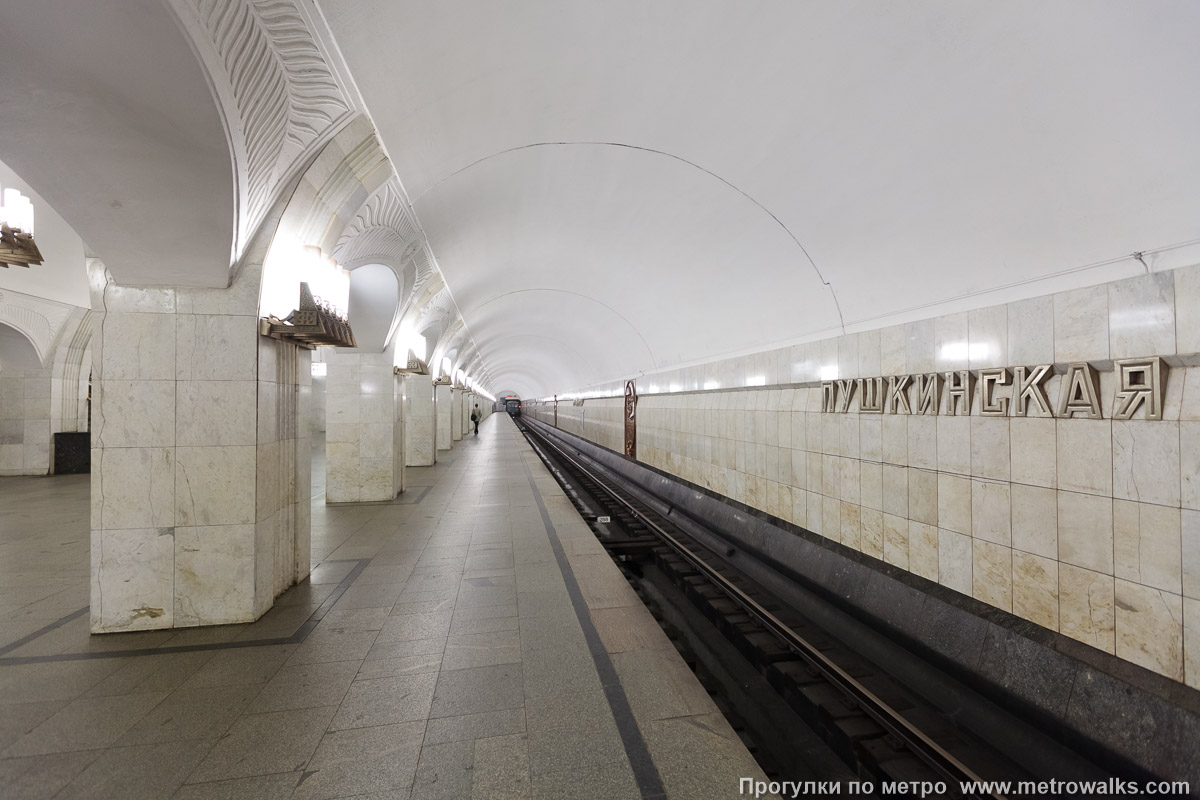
884, 732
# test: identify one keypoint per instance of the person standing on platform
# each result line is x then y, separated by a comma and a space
475, 418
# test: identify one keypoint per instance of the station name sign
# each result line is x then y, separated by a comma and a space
1005, 392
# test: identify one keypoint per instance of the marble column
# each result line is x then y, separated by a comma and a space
200, 477
420, 421
456, 406
360, 428
444, 401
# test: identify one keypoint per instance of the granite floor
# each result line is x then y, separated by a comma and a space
472, 640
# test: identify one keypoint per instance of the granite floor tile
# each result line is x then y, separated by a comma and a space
478, 690
241, 666
417, 647
146, 772
18, 719
386, 701
85, 724
206, 712
482, 650
605, 781
416, 626
444, 771
475, 726
334, 644
260, 787
380, 760
262, 744
404, 665
501, 769
306, 686
41, 777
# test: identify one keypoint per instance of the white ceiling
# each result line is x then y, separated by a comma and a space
919, 152
105, 110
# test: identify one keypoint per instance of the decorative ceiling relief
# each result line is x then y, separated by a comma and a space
38, 319
281, 96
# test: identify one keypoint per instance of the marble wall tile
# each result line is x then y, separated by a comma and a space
991, 512
870, 438
135, 414
892, 347
895, 540
132, 579
1147, 545
923, 550
216, 413
1146, 461
1149, 628
343, 409
138, 347
954, 444
1189, 464
815, 510
870, 493
954, 561
990, 448
922, 442
1085, 531
923, 496
870, 354
1187, 309
212, 347
950, 342
1191, 641
1141, 316
1035, 520
1033, 449
1035, 589
1190, 528
919, 346
993, 574
848, 366
851, 525
831, 518
1086, 607
137, 490
1031, 332
268, 422
871, 536
987, 335
214, 575
1081, 324
895, 490
215, 485
954, 503
894, 439
1085, 458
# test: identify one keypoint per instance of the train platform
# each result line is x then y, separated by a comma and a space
471, 640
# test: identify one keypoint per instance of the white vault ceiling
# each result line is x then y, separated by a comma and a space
918, 152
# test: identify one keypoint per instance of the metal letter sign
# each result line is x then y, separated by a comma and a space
630, 419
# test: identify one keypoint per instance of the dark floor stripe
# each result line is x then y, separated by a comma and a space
297, 637
644, 771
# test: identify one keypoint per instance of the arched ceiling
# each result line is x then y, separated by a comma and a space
16, 351
374, 298
919, 153
106, 111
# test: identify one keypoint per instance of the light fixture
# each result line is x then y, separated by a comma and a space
311, 325
320, 317
17, 247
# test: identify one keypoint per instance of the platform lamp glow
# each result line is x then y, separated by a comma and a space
17, 247
320, 316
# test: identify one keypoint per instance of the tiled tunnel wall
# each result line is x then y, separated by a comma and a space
1089, 527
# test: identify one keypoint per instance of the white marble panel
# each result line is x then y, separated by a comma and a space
953, 444
215, 347
922, 442
1085, 531
954, 561
1146, 461
870, 437
987, 336
138, 347
1187, 310
1035, 520
1035, 589
847, 347
950, 342
1033, 449
923, 550
869, 354
342, 409
1147, 544
1086, 606
991, 512
1081, 324
1031, 332
135, 414
216, 413
1190, 529
993, 574
919, 346
1085, 458
137, 488
1189, 464
1191, 641
895, 490
894, 439
1149, 628
892, 347
132, 577
871, 536
871, 485
954, 503
1141, 319
923, 496
990, 448
895, 540
215, 485
214, 575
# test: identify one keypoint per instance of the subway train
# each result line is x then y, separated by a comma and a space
513, 407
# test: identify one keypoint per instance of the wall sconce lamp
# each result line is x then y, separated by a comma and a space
17, 247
